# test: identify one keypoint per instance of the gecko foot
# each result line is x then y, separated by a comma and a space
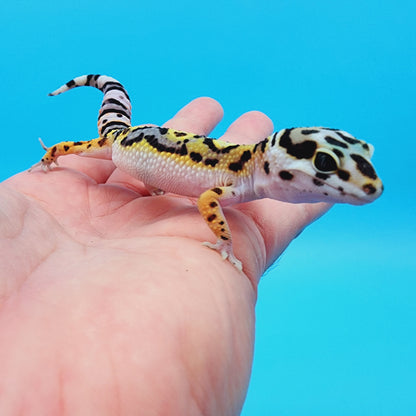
154, 191
46, 162
226, 251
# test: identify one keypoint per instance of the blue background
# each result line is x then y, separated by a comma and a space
336, 314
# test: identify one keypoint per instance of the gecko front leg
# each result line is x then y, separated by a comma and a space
210, 209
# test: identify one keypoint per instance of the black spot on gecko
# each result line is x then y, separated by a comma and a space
263, 144
302, 150
343, 175
266, 167
53, 151
196, 157
152, 140
338, 153
285, 175
211, 162
112, 85
118, 132
102, 141
274, 139
183, 150
210, 143
223, 237
76, 143
229, 148
237, 166
309, 131
111, 110
320, 175
335, 142
66, 148
317, 182
365, 146
213, 204
221, 223
70, 84
212, 146
163, 130
246, 156
116, 124
364, 166
349, 140
218, 191
115, 102
211, 218
179, 133
131, 138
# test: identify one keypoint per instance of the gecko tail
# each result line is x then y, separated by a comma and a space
115, 111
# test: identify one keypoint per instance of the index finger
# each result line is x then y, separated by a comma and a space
200, 116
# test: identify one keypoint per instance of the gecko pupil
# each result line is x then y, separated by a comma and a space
325, 163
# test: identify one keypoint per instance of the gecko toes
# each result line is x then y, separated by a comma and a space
226, 252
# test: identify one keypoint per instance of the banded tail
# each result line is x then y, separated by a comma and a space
115, 111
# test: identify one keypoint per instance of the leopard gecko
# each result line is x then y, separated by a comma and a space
296, 165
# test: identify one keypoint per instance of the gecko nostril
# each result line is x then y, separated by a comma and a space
369, 189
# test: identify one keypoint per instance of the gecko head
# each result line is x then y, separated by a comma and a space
318, 164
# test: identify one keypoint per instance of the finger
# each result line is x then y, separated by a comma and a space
97, 169
251, 127
280, 222
200, 116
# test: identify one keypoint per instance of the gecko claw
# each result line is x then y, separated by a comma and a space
43, 145
226, 252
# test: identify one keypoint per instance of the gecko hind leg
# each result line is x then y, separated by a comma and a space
96, 148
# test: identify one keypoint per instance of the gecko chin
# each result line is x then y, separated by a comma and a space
345, 197
330, 194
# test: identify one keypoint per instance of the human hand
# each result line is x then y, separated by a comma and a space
109, 303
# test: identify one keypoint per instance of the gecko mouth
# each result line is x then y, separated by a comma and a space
369, 194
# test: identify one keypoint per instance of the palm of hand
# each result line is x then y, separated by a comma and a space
109, 303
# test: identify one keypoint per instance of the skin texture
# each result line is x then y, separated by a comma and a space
109, 303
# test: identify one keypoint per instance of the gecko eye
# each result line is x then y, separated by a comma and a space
325, 161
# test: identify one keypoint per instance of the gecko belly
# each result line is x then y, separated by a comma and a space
167, 173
